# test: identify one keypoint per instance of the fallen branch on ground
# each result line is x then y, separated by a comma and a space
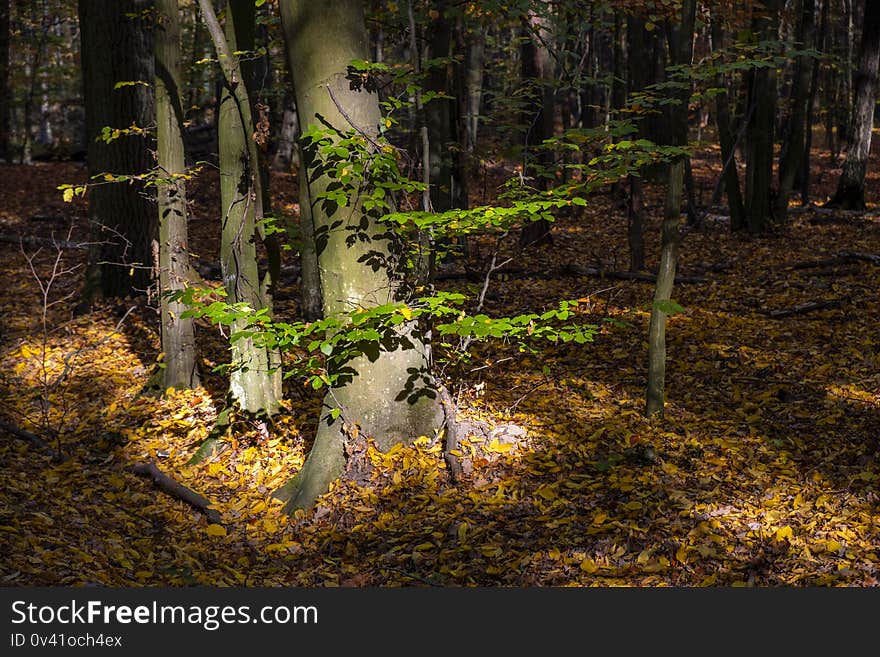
576, 270
178, 490
32, 438
571, 271
804, 308
841, 258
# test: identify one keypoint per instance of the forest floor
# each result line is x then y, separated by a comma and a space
763, 472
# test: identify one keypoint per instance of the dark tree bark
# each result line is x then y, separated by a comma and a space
729, 173
804, 177
117, 48
793, 150
178, 336
636, 35
537, 71
5, 96
760, 130
681, 52
850, 194
446, 182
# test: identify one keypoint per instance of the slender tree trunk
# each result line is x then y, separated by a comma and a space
537, 70
804, 180
850, 194
446, 181
5, 95
117, 47
681, 52
760, 130
178, 338
286, 154
311, 297
793, 149
636, 34
255, 379
729, 173
474, 85
392, 397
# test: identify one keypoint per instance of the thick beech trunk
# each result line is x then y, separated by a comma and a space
391, 397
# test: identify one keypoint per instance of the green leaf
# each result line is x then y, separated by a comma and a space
668, 306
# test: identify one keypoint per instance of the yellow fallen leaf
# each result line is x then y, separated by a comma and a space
589, 566
783, 533
681, 554
215, 530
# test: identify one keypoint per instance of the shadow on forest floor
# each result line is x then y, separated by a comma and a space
763, 472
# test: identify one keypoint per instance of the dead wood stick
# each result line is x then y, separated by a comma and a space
804, 308
453, 440
32, 438
570, 271
575, 270
841, 258
178, 490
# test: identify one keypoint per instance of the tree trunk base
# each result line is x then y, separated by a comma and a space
325, 464
847, 198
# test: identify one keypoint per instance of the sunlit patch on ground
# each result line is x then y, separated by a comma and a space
764, 471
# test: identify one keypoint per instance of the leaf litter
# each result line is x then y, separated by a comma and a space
762, 473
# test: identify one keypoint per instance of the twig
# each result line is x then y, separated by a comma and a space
345, 115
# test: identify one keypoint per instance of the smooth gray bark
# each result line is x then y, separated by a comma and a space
178, 336
391, 396
255, 377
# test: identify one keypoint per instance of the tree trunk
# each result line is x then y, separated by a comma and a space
794, 148
446, 183
393, 396
850, 194
636, 35
537, 70
474, 85
5, 95
760, 130
255, 379
729, 173
286, 156
681, 52
311, 298
117, 47
803, 183
178, 338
